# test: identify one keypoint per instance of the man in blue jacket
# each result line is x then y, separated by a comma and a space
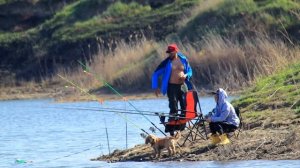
176, 72
223, 120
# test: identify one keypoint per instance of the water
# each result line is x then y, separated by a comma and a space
49, 135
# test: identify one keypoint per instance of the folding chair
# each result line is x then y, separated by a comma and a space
187, 115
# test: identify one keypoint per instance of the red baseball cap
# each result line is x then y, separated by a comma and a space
172, 48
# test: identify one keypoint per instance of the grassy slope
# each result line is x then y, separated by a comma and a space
81, 21
275, 98
234, 18
84, 19
67, 36
119, 16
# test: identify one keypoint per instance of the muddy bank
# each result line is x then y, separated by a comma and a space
273, 143
70, 94
62, 94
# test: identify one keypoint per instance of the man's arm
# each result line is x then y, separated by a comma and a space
155, 77
189, 71
158, 71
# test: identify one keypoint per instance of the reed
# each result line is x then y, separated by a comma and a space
233, 64
220, 62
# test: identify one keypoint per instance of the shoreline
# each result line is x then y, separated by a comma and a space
257, 143
264, 138
63, 94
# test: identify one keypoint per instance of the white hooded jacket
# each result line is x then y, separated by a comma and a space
224, 111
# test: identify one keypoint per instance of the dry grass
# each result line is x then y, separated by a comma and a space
220, 62
125, 64
125, 58
231, 64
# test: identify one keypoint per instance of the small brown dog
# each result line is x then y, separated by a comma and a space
160, 143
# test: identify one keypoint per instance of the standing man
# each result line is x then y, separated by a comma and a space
176, 72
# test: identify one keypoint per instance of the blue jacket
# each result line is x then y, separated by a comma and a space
224, 111
165, 68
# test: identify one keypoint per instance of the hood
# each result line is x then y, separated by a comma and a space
222, 95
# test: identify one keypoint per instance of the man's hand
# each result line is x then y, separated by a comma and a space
183, 77
208, 119
157, 92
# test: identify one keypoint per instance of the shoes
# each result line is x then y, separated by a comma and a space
224, 139
219, 139
215, 139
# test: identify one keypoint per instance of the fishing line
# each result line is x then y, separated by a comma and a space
19, 161
94, 97
88, 71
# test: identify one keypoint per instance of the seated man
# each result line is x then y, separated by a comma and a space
223, 120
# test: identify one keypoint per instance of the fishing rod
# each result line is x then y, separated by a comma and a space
94, 97
120, 111
142, 111
88, 71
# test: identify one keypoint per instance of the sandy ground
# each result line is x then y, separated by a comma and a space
272, 143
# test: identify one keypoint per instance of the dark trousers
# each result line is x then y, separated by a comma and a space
221, 127
175, 95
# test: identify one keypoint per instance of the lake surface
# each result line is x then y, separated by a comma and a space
49, 134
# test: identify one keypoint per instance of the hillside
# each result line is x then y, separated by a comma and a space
43, 38
78, 30
239, 19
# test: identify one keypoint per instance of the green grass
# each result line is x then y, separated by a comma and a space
8, 38
118, 16
120, 9
2, 2
297, 110
253, 115
61, 18
84, 19
235, 16
281, 90
234, 7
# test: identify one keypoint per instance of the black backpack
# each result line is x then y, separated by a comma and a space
238, 113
